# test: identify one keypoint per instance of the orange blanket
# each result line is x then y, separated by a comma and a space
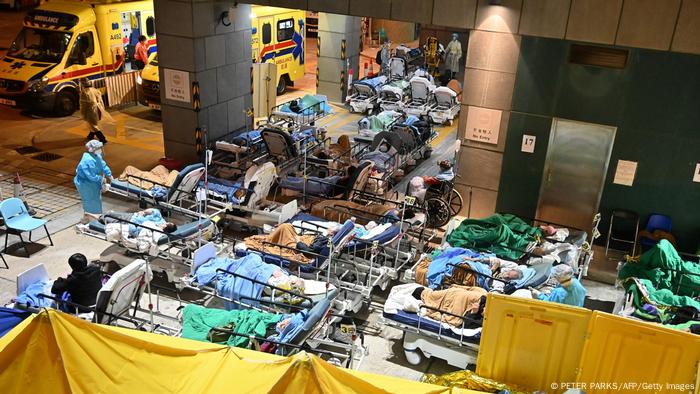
284, 235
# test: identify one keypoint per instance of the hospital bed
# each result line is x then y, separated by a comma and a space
413, 56
357, 182
319, 299
446, 106
365, 93
369, 126
457, 345
286, 152
310, 108
394, 95
179, 197
234, 153
421, 102
175, 247
246, 199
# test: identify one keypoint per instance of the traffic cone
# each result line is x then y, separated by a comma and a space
18, 190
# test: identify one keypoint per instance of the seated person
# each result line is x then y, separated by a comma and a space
333, 185
446, 174
83, 283
158, 175
149, 218
569, 291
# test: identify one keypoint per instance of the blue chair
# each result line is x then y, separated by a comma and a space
656, 222
18, 221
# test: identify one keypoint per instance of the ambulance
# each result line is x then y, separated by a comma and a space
277, 37
62, 41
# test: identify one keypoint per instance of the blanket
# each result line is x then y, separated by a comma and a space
30, 295
159, 174
231, 287
457, 300
496, 233
284, 235
439, 268
197, 321
663, 268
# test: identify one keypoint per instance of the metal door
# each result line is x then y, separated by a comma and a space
574, 172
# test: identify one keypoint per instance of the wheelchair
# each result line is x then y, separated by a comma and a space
441, 202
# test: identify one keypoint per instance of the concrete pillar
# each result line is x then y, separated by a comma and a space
489, 80
213, 51
336, 32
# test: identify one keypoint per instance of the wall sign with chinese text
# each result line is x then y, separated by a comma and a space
177, 85
483, 125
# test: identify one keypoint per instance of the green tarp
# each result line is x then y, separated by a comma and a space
503, 234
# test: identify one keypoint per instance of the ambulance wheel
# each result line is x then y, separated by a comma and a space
413, 356
66, 103
282, 85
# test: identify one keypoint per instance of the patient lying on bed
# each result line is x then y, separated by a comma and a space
285, 235
139, 234
333, 185
457, 300
158, 175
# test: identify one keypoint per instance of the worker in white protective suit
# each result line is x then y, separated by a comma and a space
452, 55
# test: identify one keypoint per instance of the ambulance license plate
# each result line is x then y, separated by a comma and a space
8, 102
154, 106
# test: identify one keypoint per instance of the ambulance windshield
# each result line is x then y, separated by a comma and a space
40, 45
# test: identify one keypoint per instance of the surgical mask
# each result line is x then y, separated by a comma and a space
383, 148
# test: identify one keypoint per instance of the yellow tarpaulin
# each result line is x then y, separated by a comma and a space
57, 353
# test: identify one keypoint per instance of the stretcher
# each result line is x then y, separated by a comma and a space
394, 95
421, 102
446, 106
298, 114
285, 152
355, 184
175, 248
365, 93
383, 121
235, 153
175, 195
459, 346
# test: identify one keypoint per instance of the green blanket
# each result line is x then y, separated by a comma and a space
505, 235
664, 269
198, 320
380, 122
663, 298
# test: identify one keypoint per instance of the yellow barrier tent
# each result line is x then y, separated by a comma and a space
55, 352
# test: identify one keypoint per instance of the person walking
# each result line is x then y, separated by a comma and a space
141, 53
92, 110
90, 176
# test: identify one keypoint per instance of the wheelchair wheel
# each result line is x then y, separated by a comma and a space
456, 202
438, 212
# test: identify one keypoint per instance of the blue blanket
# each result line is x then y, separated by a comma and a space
30, 295
439, 268
224, 187
250, 266
383, 161
374, 83
246, 138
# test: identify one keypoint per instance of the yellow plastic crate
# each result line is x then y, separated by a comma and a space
531, 343
621, 354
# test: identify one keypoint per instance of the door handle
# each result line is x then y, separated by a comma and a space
95, 64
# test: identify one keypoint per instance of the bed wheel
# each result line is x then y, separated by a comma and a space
413, 356
427, 153
352, 110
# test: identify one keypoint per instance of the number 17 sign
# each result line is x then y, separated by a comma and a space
528, 145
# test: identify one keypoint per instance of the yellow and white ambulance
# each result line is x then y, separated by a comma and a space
63, 41
278, 37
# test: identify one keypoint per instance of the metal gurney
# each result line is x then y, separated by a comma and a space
421, 97
179, 195
299, 113
446, 106
365, 93
394, 95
